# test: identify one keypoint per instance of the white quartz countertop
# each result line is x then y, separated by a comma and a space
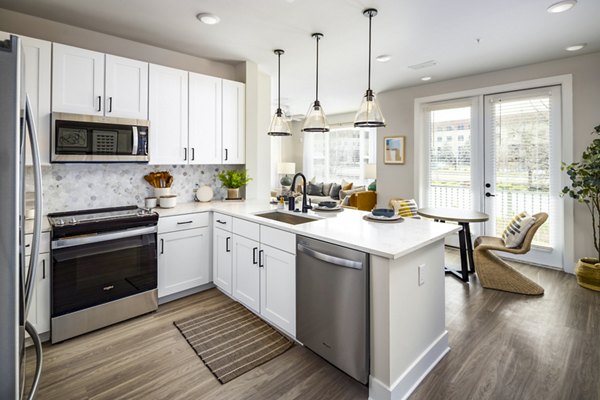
346, 228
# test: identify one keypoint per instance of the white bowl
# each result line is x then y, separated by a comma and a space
168, 201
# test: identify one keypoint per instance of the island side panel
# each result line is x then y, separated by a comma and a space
408, 327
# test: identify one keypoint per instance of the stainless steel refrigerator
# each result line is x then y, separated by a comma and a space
16, 278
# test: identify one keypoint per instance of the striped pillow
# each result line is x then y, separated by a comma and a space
515, 232
405, 207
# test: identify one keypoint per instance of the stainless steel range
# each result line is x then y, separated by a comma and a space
104, 268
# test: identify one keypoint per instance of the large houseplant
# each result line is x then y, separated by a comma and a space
233, 180
585, 188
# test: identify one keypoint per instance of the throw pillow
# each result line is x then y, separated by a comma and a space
346, 185
326, 189
372, 187
346, 201
334, 192
314, 189
405, 207
515, 232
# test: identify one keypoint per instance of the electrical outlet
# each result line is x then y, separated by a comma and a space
421, 274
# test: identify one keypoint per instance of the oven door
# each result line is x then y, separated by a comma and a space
92, 270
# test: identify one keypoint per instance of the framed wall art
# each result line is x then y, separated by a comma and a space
394, 149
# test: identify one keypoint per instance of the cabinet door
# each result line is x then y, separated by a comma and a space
39, 310
183, 260
278, 288
234, 122
222, 260
168, 115
126, 88
246, 272
77, 80
205, 119
38, 66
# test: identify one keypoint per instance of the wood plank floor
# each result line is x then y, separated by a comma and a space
504, 346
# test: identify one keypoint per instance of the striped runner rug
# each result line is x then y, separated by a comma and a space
231, 340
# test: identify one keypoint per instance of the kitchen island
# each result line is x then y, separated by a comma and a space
408, 336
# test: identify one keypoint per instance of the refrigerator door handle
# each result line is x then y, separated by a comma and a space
37, 221
38, 359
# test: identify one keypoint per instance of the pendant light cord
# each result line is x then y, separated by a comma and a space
278, 80
317, 75
370, 18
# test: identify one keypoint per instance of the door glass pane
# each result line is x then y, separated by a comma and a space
450, 158
522, 147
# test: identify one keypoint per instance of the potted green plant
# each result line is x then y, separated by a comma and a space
585, 188
233, 180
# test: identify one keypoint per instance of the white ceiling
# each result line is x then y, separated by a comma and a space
511, 33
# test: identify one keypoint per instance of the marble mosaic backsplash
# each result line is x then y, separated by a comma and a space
68, 187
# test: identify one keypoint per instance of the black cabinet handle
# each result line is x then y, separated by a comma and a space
184, 223
193, 154
185, 154
227, 249
226, 154
162, 246
260, 259
488, 194
254, 255
110, 104
221, 222
99, 103
43, 269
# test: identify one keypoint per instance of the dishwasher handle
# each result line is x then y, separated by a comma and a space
342, 262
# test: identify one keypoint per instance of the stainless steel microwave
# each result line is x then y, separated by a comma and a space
86, 138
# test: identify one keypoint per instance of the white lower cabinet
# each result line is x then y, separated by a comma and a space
183, 260
264, 277
278, 288
222, 259
39, 310
246, 274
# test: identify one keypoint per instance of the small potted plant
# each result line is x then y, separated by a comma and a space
585, 188
233, 180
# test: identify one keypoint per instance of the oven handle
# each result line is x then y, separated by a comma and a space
103, 237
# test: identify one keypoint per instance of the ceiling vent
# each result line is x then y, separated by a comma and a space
425, 64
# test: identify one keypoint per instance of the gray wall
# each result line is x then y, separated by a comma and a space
39, 28
398, 108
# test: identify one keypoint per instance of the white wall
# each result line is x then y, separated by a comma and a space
398, 109
39, 28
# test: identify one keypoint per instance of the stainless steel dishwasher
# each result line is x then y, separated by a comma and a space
332, 311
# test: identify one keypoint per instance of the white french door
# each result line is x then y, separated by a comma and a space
522, 166
498, 154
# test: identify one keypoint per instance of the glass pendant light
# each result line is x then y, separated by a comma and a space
316, 121
369, 114
279, 124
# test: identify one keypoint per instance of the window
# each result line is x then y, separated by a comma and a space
340, 154
461, 138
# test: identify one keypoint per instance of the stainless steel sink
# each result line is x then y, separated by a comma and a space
287, 218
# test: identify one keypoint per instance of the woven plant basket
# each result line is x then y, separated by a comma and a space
588, 273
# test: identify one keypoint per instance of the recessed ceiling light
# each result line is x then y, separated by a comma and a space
561, 6
383, 58
208, 19
426, 78
576, 47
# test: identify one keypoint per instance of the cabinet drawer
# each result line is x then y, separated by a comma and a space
44, 243
182, 222
278, 239
222, 221
250, 230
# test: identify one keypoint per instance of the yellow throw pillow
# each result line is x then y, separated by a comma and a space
405, 207
347, 186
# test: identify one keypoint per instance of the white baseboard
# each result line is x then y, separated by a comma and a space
410, 379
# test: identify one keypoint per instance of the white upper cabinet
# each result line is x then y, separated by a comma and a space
205, 139
77, 80
168, 115
234, 122
92, 83
126, 88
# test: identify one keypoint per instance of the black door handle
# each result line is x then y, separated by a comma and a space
99, 103
185, 154
260, 259
488, 194
254, 255
43, 269
162, 246
110, 104
193, 154
226, 154
227, 249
